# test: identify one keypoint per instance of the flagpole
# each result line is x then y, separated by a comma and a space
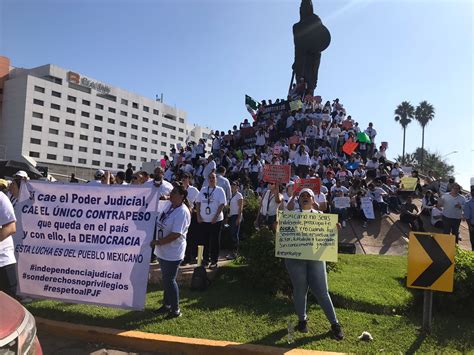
291, 82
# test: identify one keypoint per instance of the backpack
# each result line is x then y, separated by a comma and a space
199, 280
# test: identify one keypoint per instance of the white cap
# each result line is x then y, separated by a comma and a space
309, 191
99, 173
21, 174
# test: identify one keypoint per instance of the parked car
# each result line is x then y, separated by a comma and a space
17, 329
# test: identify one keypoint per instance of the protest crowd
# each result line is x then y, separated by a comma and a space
335, 166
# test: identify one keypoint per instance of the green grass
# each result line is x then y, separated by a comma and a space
366, 290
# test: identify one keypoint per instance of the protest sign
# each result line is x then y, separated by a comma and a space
277, 173
342, 202
294, 140
247, 132
85, 243
313, 184
250, 152
443, 187
296, 105
407, 170
349, 147
347, 124
306, 236
362, 137
408, 183
274, 109
367, 207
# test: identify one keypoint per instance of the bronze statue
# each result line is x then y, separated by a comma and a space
311, 38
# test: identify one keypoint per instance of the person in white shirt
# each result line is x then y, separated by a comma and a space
269, 205
377, 193
261, 135
452, 203
209, 206
98, 177
371, 132
436, 217
302, 162
164, 187
210, 166
255, 168
289, 125
334, 132
191, 247
8, 276
170, 245
235, 218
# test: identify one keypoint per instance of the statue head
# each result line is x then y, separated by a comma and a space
306, 9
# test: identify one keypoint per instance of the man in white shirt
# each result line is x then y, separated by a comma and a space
8, 278
210, 166
236, 204
164, 187
452, 203
377, 194
192, 237
209, 206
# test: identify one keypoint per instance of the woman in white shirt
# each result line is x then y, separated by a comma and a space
8, 278
334, 132
311, 275
235, 217
269, 205
171, 230
302, 162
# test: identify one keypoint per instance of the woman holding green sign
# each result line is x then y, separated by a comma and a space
311, 274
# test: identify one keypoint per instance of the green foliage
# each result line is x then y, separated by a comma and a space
251, 205
424, 113
432, 161
404, 113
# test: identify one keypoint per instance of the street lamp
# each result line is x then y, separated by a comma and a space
453, 152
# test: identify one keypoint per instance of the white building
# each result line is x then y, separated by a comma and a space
72, 123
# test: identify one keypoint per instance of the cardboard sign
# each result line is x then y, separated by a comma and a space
408, 183
247, 132
306, 236
277, 173
443, 187
342, 202
367, 207
349, 147
407, 170
431, 261
296, 105
313, 184
294, 140
347, 124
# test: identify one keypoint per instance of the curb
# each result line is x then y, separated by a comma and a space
141, 341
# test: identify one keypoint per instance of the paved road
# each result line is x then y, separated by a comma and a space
57, 345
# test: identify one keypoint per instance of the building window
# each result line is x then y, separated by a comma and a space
181, 139
109, 154
109, 142
181, 120
134, 105
36, 128
143, 159
144, 139
71, 98
86, 102
96, 162
35, 141
124, 102
52, 144
98, 117
55, 106
97, 129
70, 110
155, 123
67, 159
84, 125
85, 114
123, 134
37, 115
134, 137
154, 141
144, 129
172, 137
69, 134
134, 126
181, 130
163, 144
110, 131
34, 154
145, 119
170, 116
121, 166
108, 165
108, 97
96, 151
70, 122
156, 112
68, 146
164, 134
111, 109
135, 117
123, 113
54, 119
133, 147
99, 106
154, 151
164, 125
82, 161
83, 137
163, 153
122, 145
51, 156
39, 89
38, 102
123, 124
133, 157
154, 132
146, 109
97, 140
144, 149
121, 156
111, 120
83, 149
55, 93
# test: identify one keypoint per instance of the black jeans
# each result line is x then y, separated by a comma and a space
8, 280
471, 235
451, 226
210, 238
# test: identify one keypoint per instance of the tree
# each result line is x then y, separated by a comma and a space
438, 166
404, 113
424, 113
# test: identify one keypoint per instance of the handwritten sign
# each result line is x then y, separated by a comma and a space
367, 207
313, 184
296, 105
443, 187
342, 202
306, 236
277, 173
408, 183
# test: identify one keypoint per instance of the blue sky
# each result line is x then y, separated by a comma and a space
205, 55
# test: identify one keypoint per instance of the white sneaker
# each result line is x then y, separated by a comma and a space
364, 224
343, 223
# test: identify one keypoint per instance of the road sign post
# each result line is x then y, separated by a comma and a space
427, 310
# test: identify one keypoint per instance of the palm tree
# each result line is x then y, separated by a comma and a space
424, 113
404, 114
